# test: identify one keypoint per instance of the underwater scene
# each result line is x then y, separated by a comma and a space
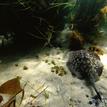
53, 53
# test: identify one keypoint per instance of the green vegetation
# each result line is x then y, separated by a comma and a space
44, 19
88, 17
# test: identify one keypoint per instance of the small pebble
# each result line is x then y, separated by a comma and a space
46, 61
52, 70
56, 71
71, 99
90, 102
25, 68
87, 96
60, 74
16, 65
53, 62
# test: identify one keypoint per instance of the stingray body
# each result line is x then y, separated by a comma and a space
85, 65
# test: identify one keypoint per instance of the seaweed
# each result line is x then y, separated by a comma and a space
31, 19
88, 16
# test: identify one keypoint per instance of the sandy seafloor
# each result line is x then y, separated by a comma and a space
51, 89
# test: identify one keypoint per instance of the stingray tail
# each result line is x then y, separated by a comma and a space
98, 94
